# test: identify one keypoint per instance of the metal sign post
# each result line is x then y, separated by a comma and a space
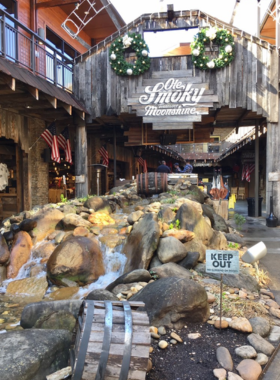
222, 262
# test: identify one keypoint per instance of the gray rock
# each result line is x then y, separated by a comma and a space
191, 220
218, 241
59, 237
166, 214
98, 204
162, 330
262, 359
138, 275
68, 209
233, 376
224, 358
171, 249
33, 354
234, 238
32, 312
274, 335
3, 273
101, 295
123, 288
219, 223
4, 250
260, 326
134, 216
141, 243
246, 352
71, 221
59, 320
173, 302
243, 280
28, 225
208, 211
171, 270
47, 222
190, 261
196, 245
260, 344
155, 262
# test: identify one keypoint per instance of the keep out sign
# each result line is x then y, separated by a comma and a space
223, 262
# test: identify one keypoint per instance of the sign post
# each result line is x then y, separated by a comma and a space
222, 262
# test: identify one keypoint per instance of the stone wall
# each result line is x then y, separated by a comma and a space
38, 169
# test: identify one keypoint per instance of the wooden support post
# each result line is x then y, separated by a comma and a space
257, 153
115, 157
81, 162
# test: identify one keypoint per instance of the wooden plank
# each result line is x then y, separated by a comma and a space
259, 87
171, 126
203, 99
273, 88
254, 77
118, 337
199, 111
152, 82
171, 74
239, 73
170, 119
117, 349
112, 372
245, 72
233, 80
249, 76
141, 89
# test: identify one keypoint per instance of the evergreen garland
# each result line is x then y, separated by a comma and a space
119, 64
220, 37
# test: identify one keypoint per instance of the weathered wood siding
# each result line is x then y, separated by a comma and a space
249, 82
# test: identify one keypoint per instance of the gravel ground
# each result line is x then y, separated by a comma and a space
197, 358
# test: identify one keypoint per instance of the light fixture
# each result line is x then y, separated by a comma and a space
41, 34
28, 106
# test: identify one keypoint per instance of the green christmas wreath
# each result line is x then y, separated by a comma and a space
220, 37
137, 44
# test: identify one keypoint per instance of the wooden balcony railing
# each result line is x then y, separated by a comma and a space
21, 45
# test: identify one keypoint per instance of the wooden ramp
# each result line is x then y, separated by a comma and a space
112, 342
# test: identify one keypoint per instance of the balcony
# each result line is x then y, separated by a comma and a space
22, 46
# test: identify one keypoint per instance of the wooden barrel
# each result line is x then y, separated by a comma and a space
112, 342
151, 183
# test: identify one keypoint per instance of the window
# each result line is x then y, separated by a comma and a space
215, 138
167, 43
64, 67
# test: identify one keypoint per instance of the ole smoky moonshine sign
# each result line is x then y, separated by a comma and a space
165, 101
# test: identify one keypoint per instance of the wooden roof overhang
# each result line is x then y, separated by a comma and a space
268, 25
27, 94
241, 94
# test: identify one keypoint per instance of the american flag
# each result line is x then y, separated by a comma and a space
246, 171
64, 143
104, 154
143, 163
49, 135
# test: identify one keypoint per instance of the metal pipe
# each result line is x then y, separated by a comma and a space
115, 158
257, 149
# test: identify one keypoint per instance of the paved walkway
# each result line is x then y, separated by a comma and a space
254, 231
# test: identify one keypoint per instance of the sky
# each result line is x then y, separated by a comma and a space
246, 17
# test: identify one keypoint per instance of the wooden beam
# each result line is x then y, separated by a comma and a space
10, 81
33, 21
33, 91
81, 114
234, 12
55, 3
51, 100
67, 108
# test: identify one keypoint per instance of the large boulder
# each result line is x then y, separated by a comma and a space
218, 241
59, 320
234, 238
3, 273
101, 218
180, 201
190, 219
196, 245
166, 214
32, 287
173, 302
71, 221
208, 211
242, 280
138, 275
182, 235
43, 250
33, 311
171, 270
78, 259
28, 225
101, 295
220, 224
171, 249
4, 250
98, 204
20, 253
33, 354
190, 261
142, 243
47, 222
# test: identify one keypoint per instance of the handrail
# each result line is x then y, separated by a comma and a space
35, 54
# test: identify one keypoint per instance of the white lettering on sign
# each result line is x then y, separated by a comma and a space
224, 262
154, 111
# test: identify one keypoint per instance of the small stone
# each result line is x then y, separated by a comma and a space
153, 329
162, 330
272, 303
274, 335
150, 365
162, 344
223, 325
261, 358
233, 376
260, 344
242, 294
249, 369
194, 336
176, 337
220, 373
246, 352
155, 336
241, 324
211, 297
224, 358
129, 229
151, 350
275, 312
260, 326
173, 341
267, 293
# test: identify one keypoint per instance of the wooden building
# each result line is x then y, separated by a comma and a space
36, 88
244, 93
